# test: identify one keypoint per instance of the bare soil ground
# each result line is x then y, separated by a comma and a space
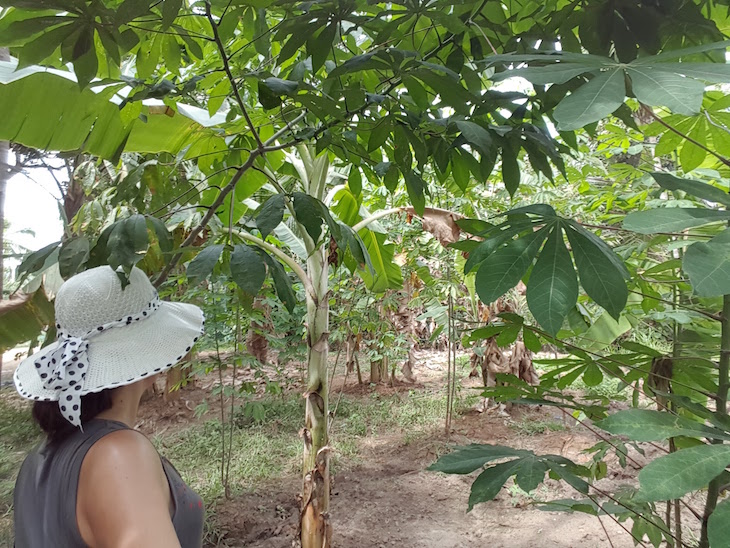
392, 500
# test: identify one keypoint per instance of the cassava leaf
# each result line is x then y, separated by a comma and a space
697, 189
650, 425
592, 101
553, 287
672, 219
673, 476
599, 276
503, 269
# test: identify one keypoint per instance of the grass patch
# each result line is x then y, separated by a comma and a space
266, 444
268, 447
18, 435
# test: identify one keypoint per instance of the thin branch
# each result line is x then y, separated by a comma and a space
713, 123
167, 32
605, 531
227, 67
192, 189
599, 357
684, 136
268, 147
617, 522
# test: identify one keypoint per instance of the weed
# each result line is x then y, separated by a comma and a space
610, 388
531, 427
519, 497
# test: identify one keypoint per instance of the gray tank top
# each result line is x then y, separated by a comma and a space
46, 488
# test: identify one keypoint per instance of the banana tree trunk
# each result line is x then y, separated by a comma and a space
315, 523
316, 528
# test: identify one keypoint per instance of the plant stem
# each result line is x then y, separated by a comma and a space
723, 383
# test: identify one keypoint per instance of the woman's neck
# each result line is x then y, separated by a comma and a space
125, 404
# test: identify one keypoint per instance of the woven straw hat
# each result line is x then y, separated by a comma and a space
108, 336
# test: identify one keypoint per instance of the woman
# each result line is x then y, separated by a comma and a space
95, 481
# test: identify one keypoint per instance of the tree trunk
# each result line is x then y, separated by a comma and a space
376, 369
315, 524
4, 177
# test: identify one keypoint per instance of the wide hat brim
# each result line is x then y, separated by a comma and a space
124, 355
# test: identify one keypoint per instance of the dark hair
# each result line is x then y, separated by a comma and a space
56, 427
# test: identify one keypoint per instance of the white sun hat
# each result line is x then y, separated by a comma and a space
108, 336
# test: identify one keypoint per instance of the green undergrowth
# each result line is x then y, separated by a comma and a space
18, 435
269, 447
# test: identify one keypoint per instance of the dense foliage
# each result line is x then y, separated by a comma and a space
254, 140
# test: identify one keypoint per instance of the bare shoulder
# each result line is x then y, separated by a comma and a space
125, 459
123, 471
121, 447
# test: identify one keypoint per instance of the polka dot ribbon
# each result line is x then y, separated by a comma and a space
64, 369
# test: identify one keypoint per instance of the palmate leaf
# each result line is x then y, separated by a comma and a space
666, 89
511, 174
713, 73
553, 288
678, 86
599, 274
504, 268
476, 136
697, 189
649, 425
415, 187
490, 482
708, 266
466, 459
591, 102
672, 219
528, 468
490, 245
559, 73
673, 476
